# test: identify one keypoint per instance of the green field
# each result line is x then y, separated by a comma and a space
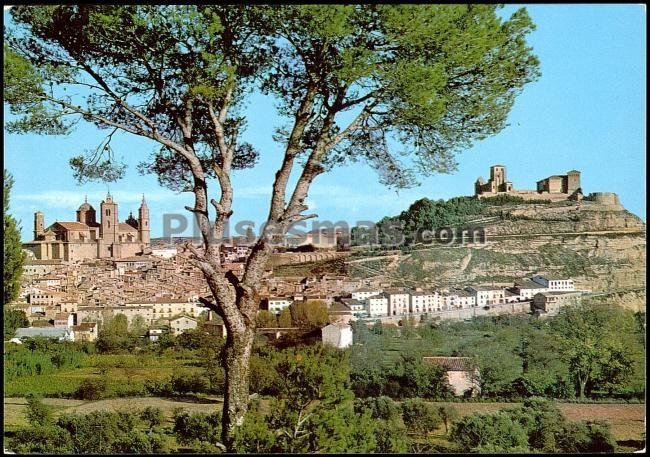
627, 420
125, 375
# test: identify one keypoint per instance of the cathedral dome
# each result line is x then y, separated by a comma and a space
86, 207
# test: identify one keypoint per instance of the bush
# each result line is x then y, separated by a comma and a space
41, 440
158, 388
91, 389
184, 384
152, 416
380, 408
419, 416
37, 413
190, 429
107, 432
497, 430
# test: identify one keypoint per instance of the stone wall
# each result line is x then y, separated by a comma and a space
291, 258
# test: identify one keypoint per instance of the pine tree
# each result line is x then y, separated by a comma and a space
14, 256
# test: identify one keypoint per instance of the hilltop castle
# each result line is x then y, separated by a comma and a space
556, 187
85, 238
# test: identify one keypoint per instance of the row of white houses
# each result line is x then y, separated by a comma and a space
375, 302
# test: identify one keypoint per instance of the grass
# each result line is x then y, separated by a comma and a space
124, 373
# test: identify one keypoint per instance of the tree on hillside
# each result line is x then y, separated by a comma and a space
14, 319
351, 81
266, 319
14, 256
309, 314
284, 318
598, 343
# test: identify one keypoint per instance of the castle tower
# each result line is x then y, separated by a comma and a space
144, 230
109, 226
86, 213
573, 181
39, 225
498, 176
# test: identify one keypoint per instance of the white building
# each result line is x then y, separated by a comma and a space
365, 293
165, 253
555, 284
398, 302
357, 307
377, 305
337, 335
527, 288
487, 295
424, 302
168, 307
181, 324
60, 334
277, 304
155, 333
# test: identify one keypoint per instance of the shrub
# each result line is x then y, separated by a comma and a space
41, 440
184, 384
192, 428
380, 407
419, 416
91, 389
37, 413
497, 430
152, 416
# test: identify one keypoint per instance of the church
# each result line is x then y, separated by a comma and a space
86, 238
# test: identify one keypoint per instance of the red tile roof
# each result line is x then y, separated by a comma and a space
450, 363
71, 225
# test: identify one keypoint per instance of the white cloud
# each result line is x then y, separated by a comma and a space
7, 7
68, 199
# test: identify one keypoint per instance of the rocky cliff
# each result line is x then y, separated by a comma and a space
602, 247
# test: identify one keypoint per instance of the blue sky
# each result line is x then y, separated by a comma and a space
586, 112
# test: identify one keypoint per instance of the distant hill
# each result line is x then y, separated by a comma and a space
601, 246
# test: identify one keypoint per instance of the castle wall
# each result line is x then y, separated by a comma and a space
604, 198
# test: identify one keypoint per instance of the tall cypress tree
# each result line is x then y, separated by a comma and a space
13, 252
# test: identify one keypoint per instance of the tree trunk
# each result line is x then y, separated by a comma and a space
237, 355
581, 384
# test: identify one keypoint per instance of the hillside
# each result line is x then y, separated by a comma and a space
600, 246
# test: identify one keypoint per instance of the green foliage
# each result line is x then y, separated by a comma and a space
407, 378
537, 426
41, 440
448, 414
284, 319
433, 92
497, 430
191, 429
152, 416
420, 417
14, 319
310, 314
190, 339
40, 356
266, 319
13, 255
599, 345
114, 335
38, 414
109, 432
182, 383
379, 408
92, 389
